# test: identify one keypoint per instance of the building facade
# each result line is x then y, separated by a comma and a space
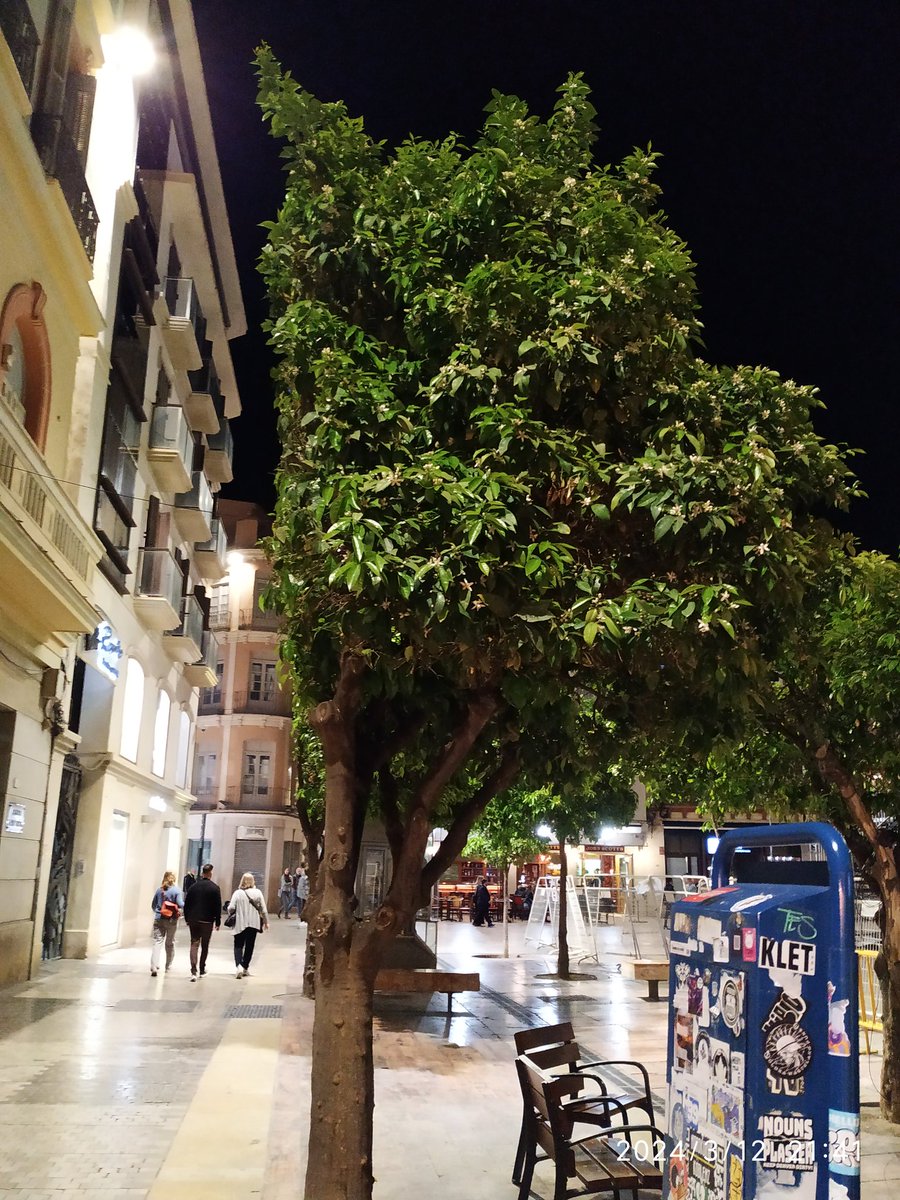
244, 817
119, 296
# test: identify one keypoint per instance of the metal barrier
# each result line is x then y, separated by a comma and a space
870, 1014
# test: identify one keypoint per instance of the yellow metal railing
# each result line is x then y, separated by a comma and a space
869, 997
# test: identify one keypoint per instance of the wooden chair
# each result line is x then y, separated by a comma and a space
607, 1158
553, 1049
455, 908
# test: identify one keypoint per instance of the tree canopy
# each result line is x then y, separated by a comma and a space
518, 516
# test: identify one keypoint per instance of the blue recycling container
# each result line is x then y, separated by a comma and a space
763, 1045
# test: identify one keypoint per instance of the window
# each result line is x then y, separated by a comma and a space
255, 778
132, 710
205, 774
25, 359
161, 735
263, 683
184, 746
218, 607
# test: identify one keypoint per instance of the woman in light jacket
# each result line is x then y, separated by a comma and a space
251, 918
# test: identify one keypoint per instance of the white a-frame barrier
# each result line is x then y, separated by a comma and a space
543, 919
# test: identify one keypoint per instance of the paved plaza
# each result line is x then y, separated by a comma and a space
118, 1086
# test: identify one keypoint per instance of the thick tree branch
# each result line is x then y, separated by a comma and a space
466, 816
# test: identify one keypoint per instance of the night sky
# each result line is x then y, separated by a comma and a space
778, 123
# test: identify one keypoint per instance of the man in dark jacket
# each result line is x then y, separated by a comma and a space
202, 911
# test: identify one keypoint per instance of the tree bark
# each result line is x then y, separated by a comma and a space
885, 874
339, 1163
562, 968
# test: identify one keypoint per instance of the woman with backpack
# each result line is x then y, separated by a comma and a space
168, 903
250, 918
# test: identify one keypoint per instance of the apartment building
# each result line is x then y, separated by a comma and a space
119, 296
244, 817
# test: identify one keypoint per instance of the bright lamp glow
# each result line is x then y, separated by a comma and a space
712, 844
157, 804
234, 558
130, 49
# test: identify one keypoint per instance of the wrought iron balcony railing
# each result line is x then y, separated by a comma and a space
22, 38
254, 618
62, 162
254, 793
274, 703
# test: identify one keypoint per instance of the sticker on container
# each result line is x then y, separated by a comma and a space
787, 1051
735, 1175
684, 1042
720, 949
719, 1056
751, 902
797, 957
708, 929
838, 1041
843, 1142
726, 1108
786, 1143
748, 944
737, 1069
731, 1000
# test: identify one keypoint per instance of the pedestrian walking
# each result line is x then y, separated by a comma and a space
203, 913
481, 904
250, 918
301, 890
168, 904
286, 893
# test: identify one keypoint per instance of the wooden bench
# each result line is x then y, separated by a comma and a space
426, 980
587, 1137
554, 1050
655, 973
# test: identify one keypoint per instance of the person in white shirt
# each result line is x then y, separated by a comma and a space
249, 907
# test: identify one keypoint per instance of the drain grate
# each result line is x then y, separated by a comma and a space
253, 1011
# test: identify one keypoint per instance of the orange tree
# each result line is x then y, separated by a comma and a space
823, 740
507, 483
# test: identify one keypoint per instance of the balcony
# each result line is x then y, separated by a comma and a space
202, 674
205, 399
207, 796
254, 618
48, 553
273, 704
171, 450
22, 38
194, 510
158, 598
129, 359
211, 703
259, 795
185, 643
219, 455
209, 556
61, 161
185, 328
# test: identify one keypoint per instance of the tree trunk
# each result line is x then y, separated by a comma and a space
562, 969
890, 1068
884, 872
339, 1166
506, 911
